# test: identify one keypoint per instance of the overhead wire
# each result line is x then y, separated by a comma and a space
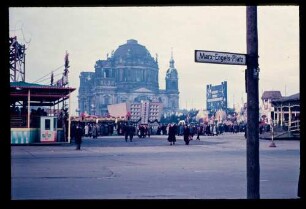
56, 69
54, 76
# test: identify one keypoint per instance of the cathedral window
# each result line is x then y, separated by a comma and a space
106, 100
173, 84
125, 75
107, 73
138, 75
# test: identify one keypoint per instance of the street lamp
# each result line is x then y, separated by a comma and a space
272, 136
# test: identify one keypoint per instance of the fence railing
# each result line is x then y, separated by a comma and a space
295, 126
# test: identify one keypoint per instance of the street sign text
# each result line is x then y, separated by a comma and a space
220, 57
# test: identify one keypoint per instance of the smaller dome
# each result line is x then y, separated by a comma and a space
171, 72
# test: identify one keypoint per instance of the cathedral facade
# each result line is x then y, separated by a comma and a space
130, 75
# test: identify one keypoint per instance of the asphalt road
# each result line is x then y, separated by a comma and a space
110, 168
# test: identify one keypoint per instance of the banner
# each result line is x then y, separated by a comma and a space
118, 110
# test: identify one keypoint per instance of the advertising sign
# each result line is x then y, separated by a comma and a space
216, 97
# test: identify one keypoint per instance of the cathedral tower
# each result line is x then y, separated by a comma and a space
172, 85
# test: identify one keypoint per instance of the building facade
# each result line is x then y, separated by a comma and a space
278, 109
130, 75
266, 108
146, 112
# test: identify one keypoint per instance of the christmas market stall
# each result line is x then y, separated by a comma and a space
39, 113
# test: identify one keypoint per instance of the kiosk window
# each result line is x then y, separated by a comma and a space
47, 124
55, 123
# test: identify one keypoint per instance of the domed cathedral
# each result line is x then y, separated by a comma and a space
129, 75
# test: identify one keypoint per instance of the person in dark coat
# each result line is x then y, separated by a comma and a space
142, 131
186, 134
208, 130
131, 132
78, 137
198, 132
94, 131
126, 131
171, 134
73, 131
149, 131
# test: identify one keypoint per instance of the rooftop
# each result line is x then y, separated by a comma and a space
273, 95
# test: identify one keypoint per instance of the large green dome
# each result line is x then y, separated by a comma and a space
133, 51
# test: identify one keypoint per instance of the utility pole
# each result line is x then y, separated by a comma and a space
252, 76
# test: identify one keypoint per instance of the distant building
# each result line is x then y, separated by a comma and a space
287, 110
270, 95
143, 112
267, 108
130, 75
146, 111
280, 110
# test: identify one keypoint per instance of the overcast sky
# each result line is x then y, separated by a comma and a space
89, 34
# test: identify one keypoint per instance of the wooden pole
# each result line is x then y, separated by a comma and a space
281, 117
252, 105
289, 119
29, 101
69, 121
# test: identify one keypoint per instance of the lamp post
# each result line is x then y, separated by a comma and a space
272, 136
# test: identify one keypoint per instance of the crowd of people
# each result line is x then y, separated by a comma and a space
208, 129
172, 130
19, 116
189, 131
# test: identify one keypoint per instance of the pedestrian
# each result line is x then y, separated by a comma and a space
171, 133
78, 137
73, 131
142, 131
186, 134
90, 130
190, 132
94, 131
131, 132
145, 130
149, 131
126, 131
198, 132
86, 129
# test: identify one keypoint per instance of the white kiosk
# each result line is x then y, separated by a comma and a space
48, 129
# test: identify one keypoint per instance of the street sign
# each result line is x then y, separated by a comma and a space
220, 57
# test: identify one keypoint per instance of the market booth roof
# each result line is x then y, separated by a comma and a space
292, 100
41, 95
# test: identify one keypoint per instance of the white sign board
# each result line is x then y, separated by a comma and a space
220, 57
117, 110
